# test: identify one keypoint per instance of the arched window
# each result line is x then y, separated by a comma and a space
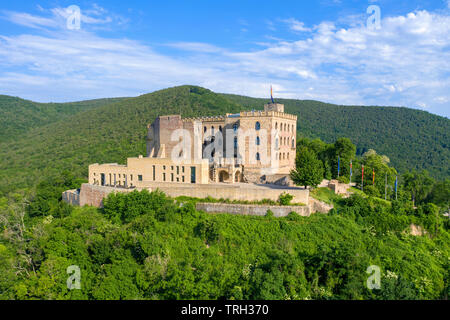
204, 129
235, 142
220, 128
293, 143
276, 125
276, 144
258, 126
212, 130
235, 127
288, 155
258, 141
258, 157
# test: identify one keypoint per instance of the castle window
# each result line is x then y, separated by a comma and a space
178, 170
164, 176
235, 127
182, 169
140, 177
171, 177
212, 130
293, 143
276, 125
258, 141
220, 128
182, 179
276, 143
258, 126
235, 142
204, 129
258, 157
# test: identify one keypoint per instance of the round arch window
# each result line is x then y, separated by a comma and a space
258, 125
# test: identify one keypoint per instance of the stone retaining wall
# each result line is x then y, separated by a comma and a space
252, 209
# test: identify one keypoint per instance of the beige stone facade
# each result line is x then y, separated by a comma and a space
221, 157
239, 147
141, 170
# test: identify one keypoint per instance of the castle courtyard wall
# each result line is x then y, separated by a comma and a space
93, 195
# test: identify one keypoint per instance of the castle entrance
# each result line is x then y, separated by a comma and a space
223, 176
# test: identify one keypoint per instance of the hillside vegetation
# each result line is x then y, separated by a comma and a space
18, 116
42, 140
108, 133
412, 139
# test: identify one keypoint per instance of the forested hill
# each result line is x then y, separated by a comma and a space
104, 134
18, 116
412, 139
68, 137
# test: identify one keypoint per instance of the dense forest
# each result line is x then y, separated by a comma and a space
148, 246
17, 116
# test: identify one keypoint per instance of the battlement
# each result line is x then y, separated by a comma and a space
205, 119
268, 114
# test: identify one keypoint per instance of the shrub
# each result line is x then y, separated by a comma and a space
344, 179
285, 199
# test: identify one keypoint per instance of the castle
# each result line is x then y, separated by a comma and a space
243, 156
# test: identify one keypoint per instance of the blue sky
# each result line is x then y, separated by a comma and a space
322, 50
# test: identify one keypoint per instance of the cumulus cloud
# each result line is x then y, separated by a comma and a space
406, 62
296, 25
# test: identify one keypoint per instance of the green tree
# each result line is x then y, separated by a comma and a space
308, 169
419, 184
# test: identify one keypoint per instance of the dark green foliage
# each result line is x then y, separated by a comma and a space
107, 133
18, 116
308, 169
179, 253
419, 184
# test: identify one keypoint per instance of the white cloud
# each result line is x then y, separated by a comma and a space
296, 25
406, 62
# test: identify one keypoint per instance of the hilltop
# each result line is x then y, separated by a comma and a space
58, 137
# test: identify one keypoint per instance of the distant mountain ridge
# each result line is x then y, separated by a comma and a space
45, 139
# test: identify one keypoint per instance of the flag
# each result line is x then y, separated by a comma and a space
339, 165
351, 168
271, 94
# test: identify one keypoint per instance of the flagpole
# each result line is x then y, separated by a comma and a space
339, 165
351, 171
362, 182
396, 186
385, 188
